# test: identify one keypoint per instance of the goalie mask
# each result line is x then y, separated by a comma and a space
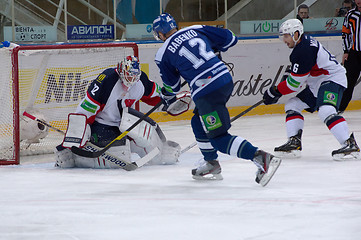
163, 24
291, 26
129, 71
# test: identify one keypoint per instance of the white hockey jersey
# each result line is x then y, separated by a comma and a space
106, 97
312, 64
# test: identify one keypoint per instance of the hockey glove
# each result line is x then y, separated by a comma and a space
271, 96
181, 104
167, 98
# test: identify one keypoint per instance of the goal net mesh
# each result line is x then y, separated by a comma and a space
50, 80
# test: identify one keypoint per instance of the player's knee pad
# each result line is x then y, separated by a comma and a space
295, 104
326, 112
63, 157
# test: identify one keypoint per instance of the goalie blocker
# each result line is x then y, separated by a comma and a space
145, 144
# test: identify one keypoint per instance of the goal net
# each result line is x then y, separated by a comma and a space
47, 81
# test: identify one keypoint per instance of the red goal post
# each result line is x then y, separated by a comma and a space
48, 81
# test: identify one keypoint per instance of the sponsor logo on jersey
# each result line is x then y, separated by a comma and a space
330, 97
88, 106
101, 77
202, 82
292, 82
211, 121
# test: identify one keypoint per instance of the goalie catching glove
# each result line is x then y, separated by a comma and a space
177, 104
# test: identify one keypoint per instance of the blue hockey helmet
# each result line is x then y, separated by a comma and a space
163, 24
129, 70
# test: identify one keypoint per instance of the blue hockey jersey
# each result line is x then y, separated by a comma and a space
189, 53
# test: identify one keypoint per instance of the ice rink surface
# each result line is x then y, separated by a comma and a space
309, 198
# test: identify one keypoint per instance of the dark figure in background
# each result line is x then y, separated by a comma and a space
351, 58
346, 6
303, 12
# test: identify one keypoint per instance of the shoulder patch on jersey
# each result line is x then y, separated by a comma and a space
88, 106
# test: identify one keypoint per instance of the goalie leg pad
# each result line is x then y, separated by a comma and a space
144, 134
78, 132
64, 158
115, 157
170, 152
148, 139
120, 153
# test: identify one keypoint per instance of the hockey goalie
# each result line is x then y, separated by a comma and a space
106, 112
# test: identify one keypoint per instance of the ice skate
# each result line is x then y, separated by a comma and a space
208, 170
349, 152
292, 148
267, 166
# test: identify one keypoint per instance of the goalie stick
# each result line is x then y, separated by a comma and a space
84, 153
232, 120
129, 166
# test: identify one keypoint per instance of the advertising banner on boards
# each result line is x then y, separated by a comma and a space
90, 32
255, 66
31, 34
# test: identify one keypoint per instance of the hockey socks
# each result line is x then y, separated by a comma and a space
234, 146
338, 127
294, 122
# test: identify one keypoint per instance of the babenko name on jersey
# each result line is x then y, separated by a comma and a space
181, 38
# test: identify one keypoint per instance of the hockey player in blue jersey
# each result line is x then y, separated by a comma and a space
322, 80
190, 53
106, 111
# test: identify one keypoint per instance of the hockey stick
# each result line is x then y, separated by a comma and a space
129, 166
232, 120
84, 153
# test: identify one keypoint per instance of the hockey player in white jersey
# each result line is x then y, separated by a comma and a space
322, 80
105, 112
190, 53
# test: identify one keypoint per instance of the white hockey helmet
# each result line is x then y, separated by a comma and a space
291, 26
129, 70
